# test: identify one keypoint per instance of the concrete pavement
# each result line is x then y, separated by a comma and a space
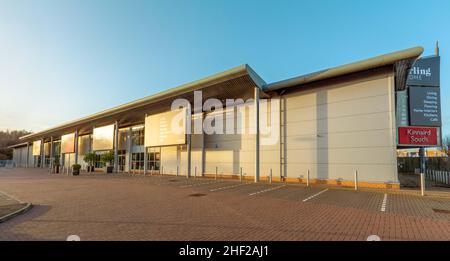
123, 207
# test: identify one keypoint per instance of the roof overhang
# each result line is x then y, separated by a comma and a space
372, 63
238, 82
23, 144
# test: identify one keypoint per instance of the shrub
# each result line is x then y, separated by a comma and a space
107, 158
89, 158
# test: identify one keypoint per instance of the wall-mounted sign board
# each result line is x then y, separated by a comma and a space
68, 143
165, 129
47, 149
37, 148
103, 138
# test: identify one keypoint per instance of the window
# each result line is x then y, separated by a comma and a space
37, 161
137, 161
137, 136
153, 159
98, 163
121, 160
47, 160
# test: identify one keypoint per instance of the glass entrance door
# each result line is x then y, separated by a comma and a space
121, 160
154, 160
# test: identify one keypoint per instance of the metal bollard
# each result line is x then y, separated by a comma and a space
270, 177
195, 172
422, 184
240, 175
307, 178
356, 179
177, 170
216, 174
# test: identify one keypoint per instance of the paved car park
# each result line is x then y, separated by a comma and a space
136, 207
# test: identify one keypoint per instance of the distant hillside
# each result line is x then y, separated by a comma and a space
8, 138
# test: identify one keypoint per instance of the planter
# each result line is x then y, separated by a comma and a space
109, 169
56, 169
75, 172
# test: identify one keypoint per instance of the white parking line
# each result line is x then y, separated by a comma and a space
383, 205
199, 184
168, 182
228, 187
266, 190
315, 195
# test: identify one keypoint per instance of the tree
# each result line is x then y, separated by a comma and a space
8, 138
446, 145
107, 158
89, 158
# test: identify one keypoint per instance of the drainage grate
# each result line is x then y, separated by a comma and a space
442, 211
197, 195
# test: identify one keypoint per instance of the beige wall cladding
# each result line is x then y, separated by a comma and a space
169, 159
231, 152
339, 128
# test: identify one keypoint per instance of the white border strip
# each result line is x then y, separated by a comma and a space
15, 213
266, 190
199, 184
383, 205
228, 187
315, 195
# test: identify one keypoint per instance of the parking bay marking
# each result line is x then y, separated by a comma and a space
266, 190
383, 205
315, 195
199, 184
228, 187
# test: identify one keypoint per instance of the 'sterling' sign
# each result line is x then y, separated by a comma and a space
425, 72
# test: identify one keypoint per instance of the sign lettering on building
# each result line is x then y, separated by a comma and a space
425, 72
418, 136
418, 110
402, 112
425, 106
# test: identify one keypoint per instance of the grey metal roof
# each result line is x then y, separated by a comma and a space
213, 80
359, 66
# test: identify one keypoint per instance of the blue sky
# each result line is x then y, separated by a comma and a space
61, 60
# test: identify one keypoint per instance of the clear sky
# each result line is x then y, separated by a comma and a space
61, 60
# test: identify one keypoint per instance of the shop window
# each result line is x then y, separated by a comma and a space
137, 136
154, 159
137, 161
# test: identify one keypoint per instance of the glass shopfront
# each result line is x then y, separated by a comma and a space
137, 161
154, 159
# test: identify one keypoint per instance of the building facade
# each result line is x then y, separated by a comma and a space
327, 125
